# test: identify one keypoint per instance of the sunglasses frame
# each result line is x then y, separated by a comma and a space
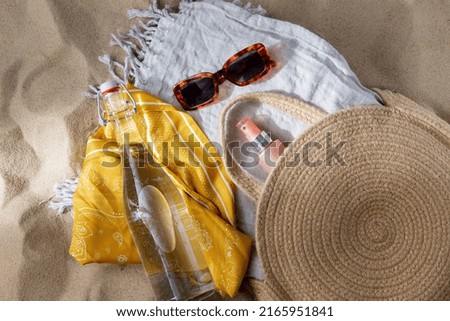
220, 76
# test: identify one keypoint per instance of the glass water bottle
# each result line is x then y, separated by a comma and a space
161, 227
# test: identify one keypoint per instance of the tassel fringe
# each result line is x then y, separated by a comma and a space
62, 199
137, 42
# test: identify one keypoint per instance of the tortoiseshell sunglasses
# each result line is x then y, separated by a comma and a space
243, 68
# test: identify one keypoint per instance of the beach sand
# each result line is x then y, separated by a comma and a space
49, 53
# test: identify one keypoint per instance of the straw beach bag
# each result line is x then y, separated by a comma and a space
374, 228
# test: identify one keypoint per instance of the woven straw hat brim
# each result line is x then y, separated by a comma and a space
377, 228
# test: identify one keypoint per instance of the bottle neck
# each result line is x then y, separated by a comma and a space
261, 141
126, 130
120, 111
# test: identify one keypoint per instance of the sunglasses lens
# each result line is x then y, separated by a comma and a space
198, 91
246, 67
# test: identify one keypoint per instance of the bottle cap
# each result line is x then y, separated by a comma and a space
108, 87
248, 128
257, 137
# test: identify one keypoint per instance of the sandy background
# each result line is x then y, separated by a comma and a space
49, 54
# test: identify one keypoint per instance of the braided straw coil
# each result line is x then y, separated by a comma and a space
374, 228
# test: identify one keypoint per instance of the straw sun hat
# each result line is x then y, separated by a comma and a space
374, 228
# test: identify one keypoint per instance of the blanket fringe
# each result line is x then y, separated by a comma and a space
62, 199
93, 92
137, 42
250, 8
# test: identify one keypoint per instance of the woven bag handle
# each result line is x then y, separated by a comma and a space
292, 106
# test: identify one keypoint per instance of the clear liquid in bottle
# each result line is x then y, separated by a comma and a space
162, 229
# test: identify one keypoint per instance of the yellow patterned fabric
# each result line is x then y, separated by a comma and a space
100, 231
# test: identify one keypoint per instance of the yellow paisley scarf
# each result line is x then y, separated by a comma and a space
100, 231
